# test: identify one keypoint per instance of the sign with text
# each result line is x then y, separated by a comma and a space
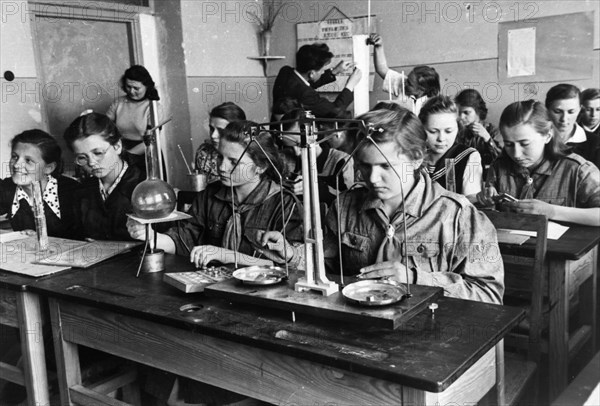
337, 34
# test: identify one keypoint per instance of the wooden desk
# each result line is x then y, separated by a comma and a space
20, 308
261, 353
572, 262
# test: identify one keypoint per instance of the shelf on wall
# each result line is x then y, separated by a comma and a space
264, 60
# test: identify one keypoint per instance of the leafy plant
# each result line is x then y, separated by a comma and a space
271, 9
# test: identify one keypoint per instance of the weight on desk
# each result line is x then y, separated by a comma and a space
196, 281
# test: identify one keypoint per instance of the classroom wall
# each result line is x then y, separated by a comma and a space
24, 102
461, 44
173, 81
218, 37
20, 107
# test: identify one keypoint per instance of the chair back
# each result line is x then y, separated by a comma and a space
525, 274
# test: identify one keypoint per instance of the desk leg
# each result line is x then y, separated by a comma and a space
558, 356
588, 295
32, 343
67, 356
500, 382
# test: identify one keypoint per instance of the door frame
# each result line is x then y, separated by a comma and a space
111, 12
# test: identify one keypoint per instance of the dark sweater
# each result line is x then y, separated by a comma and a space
289, 84
67, 226
107, 220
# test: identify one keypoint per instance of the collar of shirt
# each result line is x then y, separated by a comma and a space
590, 130
301, 77
50, 196
578, 136
544, 168
415, 202
105, 193
264, 190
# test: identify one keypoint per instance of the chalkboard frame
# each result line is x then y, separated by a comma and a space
57, 11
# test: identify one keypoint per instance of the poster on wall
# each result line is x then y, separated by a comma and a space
337, 34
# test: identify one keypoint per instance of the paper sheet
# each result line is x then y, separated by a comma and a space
555, 231
21, 255
360, 50
521, 52
12, 236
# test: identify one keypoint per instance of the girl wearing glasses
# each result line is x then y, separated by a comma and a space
105, 197
36, 157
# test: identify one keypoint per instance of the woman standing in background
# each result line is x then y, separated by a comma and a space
131, 113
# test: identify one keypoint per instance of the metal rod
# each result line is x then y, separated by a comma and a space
146, 243
408, 294
253, 140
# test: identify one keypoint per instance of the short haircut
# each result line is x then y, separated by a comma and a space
401, 127
533, 113
239, 132
562, 91
472, 98
592, 93
387, 105
47, 144
428, 80
286, 104
92, 124
437, 105
140, 74
228, 111
312, 57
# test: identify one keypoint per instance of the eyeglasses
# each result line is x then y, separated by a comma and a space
98, 156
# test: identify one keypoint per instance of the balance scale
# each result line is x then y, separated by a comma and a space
311, 292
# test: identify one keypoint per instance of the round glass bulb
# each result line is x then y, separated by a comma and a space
153, 199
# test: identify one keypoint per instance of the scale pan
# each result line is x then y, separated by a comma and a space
374, 292
260, 275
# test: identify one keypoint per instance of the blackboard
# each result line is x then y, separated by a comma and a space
81, 63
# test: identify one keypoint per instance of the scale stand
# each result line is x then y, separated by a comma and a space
315, 278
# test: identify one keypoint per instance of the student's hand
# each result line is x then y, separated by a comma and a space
486, 197
354, 79
271, 245
394, 270
342, 66
479, 130
297, 186
201, 255
376, 39
137, 230
531, 206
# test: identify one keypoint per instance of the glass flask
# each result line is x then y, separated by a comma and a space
153, 198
